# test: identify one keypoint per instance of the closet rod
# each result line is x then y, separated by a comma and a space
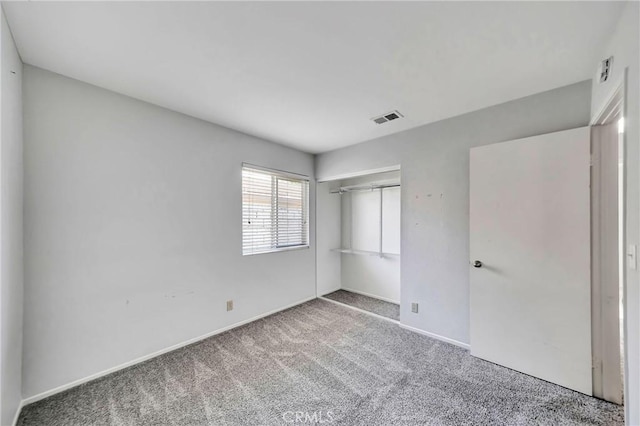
344, 189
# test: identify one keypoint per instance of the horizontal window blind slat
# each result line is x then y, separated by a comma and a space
275, 211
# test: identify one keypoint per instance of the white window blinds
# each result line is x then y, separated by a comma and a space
275, 210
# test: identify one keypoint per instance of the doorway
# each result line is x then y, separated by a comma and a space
359, 242
547, 255
607, 229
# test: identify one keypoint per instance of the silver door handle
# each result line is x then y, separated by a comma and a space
477, 264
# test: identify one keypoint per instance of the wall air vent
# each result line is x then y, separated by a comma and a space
605, 69
387, 117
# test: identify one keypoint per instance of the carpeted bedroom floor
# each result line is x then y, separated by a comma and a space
319, 363
377, 306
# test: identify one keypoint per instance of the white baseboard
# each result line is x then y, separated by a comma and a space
436, 336
78, 382
324, 293
360, 310
384, 299
406, 327
18, 411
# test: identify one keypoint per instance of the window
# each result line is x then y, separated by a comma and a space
275, 210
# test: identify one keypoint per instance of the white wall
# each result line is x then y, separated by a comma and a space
133, 230
434, 163
624, 46
329, 220
11, 265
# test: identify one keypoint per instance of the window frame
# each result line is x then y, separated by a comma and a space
278, 175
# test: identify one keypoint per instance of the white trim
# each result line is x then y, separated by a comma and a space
78, 382
18, 411
614, 102
330, 291
436, 336
344, 305
360, 173
373, 296
607, 370
406, 327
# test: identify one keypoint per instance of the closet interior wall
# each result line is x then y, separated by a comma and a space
363, 223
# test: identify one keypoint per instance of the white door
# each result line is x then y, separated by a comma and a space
530, 229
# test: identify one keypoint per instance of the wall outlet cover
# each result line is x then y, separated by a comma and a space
414, 308
229, 305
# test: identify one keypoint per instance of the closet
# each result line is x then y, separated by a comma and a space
359, 242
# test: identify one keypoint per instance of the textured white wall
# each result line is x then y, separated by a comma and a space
435, 194
624, 46
11, 265
133, 230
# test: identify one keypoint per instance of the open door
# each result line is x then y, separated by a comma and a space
530, 256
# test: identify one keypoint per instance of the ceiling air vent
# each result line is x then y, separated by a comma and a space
387, 117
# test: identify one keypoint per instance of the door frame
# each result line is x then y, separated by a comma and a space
326, 187
613, 109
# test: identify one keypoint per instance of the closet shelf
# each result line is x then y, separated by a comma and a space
365, 252
370, 187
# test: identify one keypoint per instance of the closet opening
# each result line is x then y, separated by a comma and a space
358, 234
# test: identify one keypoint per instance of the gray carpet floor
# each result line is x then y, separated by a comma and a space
377, 306
325, 364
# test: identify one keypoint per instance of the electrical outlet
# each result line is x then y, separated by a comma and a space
414, 308
229, 305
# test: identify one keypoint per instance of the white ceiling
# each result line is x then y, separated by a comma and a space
311, 75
